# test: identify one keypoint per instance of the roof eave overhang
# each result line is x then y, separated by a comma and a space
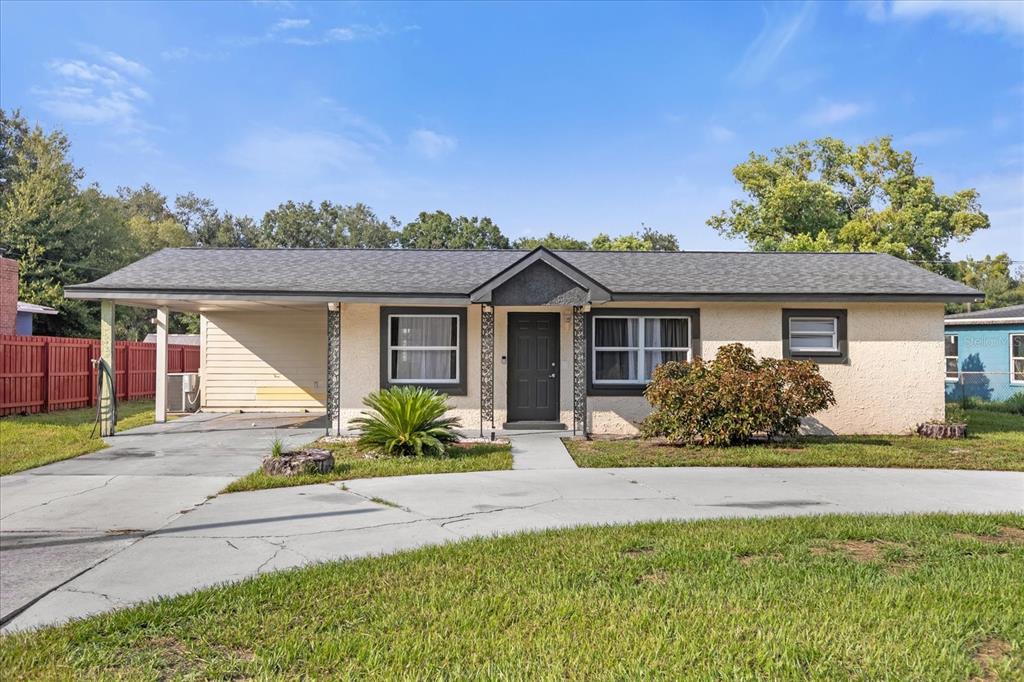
809, 296
142, 296
596, 292
983, 321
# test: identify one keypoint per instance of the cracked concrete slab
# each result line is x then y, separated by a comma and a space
240, 535
65, 518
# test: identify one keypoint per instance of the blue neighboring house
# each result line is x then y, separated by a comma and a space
985, 353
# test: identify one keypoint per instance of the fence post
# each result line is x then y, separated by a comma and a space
46, 375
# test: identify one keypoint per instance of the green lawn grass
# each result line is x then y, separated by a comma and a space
995, 441
33, 440
824, 598
350, 463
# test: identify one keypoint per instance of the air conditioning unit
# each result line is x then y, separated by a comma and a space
183, 392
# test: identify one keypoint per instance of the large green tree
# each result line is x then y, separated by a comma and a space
326, 225
645, 240
996, 277
826, 195
439, 230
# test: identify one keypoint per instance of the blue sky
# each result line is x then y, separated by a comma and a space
575, 118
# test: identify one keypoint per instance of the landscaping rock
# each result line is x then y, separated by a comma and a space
310, 461
942, 430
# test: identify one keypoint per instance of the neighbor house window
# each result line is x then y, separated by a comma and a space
952, 357
424, 347
818, 335
1017, 358
627, 349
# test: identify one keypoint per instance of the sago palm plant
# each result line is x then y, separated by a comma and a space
406, 421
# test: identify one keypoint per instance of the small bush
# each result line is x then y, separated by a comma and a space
730, 399
276, 448
406, 421
955, 414
1012, 405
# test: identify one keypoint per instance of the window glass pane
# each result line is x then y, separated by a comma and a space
951, 368
616, 331
665, 332
418, 330
951, 344
613, 365
423, 365
798, 342
653, 358
1017, 344
812, 326
1018, 369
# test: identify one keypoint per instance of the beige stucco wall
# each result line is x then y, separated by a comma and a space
264, 360
893, 381
360, 363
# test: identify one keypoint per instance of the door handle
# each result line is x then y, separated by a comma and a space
552, 375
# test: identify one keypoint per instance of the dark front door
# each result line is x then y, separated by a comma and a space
533, 367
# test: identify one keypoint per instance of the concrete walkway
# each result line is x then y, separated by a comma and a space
540, 450
235, 536
63, 519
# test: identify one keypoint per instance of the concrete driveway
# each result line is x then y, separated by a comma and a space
60, 520
235, 536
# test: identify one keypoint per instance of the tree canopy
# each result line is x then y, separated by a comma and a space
645, 240
439, 230
827, 196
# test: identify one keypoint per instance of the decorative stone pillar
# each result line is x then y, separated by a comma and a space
333, 368
579, 370
486, 367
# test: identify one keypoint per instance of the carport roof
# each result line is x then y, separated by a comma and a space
349, 274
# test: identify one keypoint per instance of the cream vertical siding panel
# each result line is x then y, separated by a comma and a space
892, 382
260, 360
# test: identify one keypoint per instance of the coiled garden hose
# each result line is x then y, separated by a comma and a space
103, 370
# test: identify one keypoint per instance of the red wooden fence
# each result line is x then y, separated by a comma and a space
48, 373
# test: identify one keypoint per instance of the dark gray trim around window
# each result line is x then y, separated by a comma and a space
839, 357
450, 389
635, 389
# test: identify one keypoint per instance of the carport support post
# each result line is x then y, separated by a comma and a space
109, 391
161, 364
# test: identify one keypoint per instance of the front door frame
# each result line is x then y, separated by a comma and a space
556, 319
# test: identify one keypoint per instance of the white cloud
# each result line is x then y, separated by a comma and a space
431, 144
289, 24
106, 94
986, 16
930, 137
773, 40
185, 54
305, 154
118, 62
720, 133
830, 113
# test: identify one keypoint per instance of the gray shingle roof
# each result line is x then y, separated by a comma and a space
1009, 312
443, 272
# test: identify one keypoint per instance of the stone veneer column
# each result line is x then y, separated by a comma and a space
579, 370
486, 367
333, 368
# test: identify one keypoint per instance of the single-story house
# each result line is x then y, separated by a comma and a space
175, 339
536, 338
26, 315
985, 353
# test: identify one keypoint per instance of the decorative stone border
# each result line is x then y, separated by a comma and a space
309, 461
942, 430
